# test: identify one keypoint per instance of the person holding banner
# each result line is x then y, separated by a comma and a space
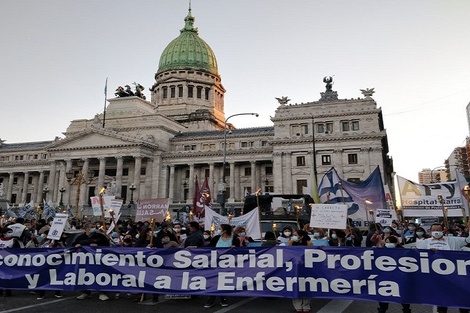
301, 238
223, 239
440, 242
92, 238
391, 242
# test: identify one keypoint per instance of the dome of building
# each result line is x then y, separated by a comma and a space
188, 51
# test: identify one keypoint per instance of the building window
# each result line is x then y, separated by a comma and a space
246, 144
125, 172
142, 171
264, 143
15, 180
268, 170
345, 126
165, 92
300, 129
320, 128
301, 183
180, 91
199, 92
207, 172
301, 161
208, 90
189, 147
326, 159
247, 171
30, 180
190, 91
172, 91
355, 125
352, 158
329, 128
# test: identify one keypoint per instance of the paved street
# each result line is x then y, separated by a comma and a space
23, 301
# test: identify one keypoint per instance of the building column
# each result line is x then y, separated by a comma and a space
191, 184
156, 172
232, 182
51, 181
119, 166
253, 176
148, 178
40, 187
101, 172
289, 178
212, 183
68, 188
137, 167
83, 187
171, 184
25, 187
10, 185
278, 172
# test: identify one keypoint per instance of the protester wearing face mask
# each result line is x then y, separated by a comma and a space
285, 235
379, 238
165, 230
240, 231
7, 240
410, 234
392, 242
319, 238
420, 234
440, 242
337, 238
300, 238
207, 237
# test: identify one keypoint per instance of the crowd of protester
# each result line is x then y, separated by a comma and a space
144, 234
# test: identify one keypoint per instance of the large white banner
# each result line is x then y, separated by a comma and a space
96, 205
249, 220
431, 199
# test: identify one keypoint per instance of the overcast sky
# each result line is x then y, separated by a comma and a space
55, 57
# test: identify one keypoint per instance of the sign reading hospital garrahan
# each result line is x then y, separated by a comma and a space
430, 199
152, 208
333, 216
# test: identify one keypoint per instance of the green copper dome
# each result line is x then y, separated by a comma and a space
188, 51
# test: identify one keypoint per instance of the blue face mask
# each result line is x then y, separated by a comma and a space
390, 245
419, 233
386, 230
316, 235
334, 236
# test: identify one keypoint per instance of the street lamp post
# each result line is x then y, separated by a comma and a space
45, 190
61, 190
132, 188
222, 192
79, 179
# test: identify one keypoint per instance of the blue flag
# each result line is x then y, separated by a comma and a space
361, 198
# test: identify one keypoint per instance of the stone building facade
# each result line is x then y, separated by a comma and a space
160, 146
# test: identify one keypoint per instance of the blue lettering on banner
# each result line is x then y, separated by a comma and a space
390, 275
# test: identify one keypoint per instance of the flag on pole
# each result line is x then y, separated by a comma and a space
105, 98
359, 197
196, 208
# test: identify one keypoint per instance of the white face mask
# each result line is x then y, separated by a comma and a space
287, 233
242, 234
206, 237
334, 236
390, 245
295, 238
9, 235
177, 230
218, 232
437, 234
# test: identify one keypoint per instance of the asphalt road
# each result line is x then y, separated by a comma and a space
24, 301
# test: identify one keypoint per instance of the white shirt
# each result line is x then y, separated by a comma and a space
447, 243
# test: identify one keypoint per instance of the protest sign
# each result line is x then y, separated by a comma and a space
58, 226
331, 216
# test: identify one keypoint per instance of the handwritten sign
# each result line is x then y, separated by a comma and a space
333, 216
58, 226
